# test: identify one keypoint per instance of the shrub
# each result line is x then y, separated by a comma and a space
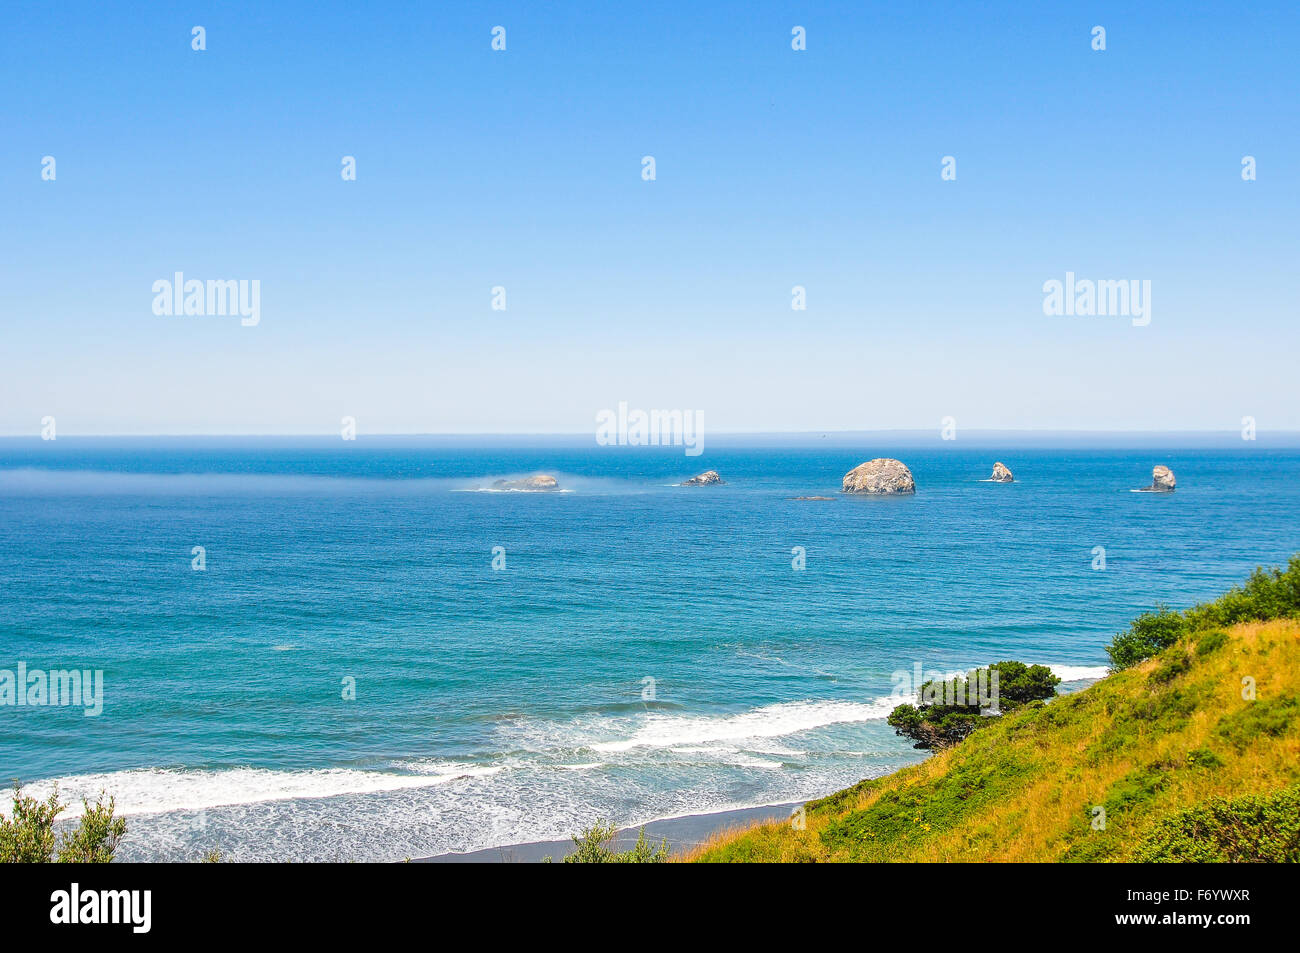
1211, 642
1148, 635
1269, 716
1137, 787
1170, 668
1203, 757
1267, 594
95, 839
1170, 705
596, 846
27, 837
1247, 828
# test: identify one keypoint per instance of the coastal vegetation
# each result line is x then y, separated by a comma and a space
1188, 751
595, 845
27, 835
950, 710
1267, 594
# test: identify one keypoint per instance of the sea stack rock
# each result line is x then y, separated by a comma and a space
541, 482
879, 477
707, 478
1001, 474
1162, 479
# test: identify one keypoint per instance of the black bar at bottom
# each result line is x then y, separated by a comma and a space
336, 901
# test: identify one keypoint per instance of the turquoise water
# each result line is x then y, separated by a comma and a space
498, 706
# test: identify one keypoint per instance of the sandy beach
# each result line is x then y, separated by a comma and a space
682, 833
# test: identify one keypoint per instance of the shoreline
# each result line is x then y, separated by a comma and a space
682, 834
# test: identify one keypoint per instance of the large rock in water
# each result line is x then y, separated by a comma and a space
881, 476
543, 481
1001, 474
707, 478
1162, 479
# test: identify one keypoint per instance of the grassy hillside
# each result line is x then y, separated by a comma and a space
1184, 764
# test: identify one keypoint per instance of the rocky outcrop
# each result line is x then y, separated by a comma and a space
539, 483
707, 478
1162, 479
1001, 474
880, 477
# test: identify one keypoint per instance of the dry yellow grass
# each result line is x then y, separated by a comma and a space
1143, 744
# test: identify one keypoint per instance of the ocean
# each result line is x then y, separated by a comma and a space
307, 652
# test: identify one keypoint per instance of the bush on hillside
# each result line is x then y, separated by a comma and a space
1248, 828
937, 723
1211, 642
1267, 594
1149, 634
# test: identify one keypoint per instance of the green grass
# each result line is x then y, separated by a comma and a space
1189, 750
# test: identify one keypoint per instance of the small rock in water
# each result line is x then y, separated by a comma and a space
1001, 474
707, 478
1162, 479
880, 477
543, 481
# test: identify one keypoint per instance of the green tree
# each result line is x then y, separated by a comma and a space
957, 708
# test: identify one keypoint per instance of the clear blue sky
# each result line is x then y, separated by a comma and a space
523, 169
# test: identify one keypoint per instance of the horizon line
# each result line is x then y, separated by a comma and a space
720, 433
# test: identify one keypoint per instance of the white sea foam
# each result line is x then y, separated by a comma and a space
769, 721
543, 789
742, 740
767, 747
158, 790
746, 761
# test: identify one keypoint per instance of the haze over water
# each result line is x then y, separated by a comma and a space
495, 707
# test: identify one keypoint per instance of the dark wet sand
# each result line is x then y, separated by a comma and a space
682, 833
